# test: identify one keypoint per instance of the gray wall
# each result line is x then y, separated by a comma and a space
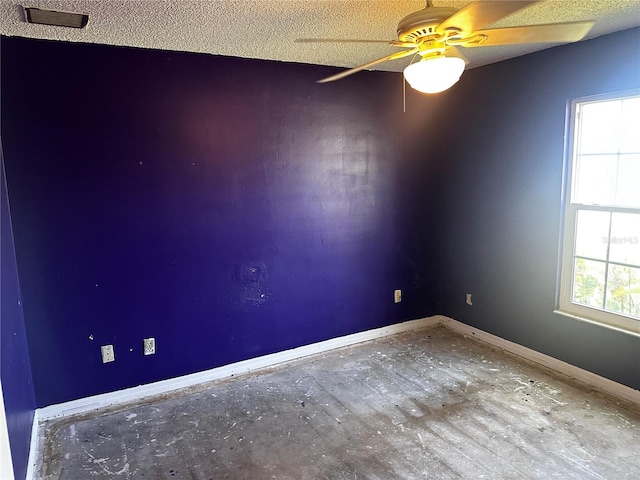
500, 191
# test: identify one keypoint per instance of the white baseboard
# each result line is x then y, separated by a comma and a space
121, 397
133, 394
34, 447
591, 379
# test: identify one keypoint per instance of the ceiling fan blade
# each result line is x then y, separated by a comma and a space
395, 43
398, 43
346, 73
340, 40
552, 33
479, 14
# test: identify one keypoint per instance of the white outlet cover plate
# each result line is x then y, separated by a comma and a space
108, 354
397, 296
149, 346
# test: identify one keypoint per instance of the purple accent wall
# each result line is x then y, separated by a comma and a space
17, 388
229, 208
232, 208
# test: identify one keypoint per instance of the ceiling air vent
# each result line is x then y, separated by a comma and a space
53, 17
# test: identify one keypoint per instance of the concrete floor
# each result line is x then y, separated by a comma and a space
427, 404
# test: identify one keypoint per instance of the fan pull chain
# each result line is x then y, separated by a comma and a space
404, 95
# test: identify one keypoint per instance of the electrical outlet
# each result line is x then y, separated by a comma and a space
108, 355
469, 301
397, 296
149, 346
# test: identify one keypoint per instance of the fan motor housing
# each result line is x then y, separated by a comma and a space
422, 23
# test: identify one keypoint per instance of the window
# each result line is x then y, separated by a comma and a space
600, 265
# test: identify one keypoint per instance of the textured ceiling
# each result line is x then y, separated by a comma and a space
268, 29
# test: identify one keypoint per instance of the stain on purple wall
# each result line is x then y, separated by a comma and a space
229, 208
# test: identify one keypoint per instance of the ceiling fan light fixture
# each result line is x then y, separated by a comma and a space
434, 75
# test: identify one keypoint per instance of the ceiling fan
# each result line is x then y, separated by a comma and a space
434, 33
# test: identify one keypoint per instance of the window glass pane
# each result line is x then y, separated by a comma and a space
592, 234
630, 142
606, 244
588, 282
625, 238
599, 131
623, 290
596, 180
628, 192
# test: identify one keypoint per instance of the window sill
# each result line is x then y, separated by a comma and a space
628, 331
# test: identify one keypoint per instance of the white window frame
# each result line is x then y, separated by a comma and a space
565, 285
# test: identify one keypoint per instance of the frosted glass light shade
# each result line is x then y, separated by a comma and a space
435, 74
